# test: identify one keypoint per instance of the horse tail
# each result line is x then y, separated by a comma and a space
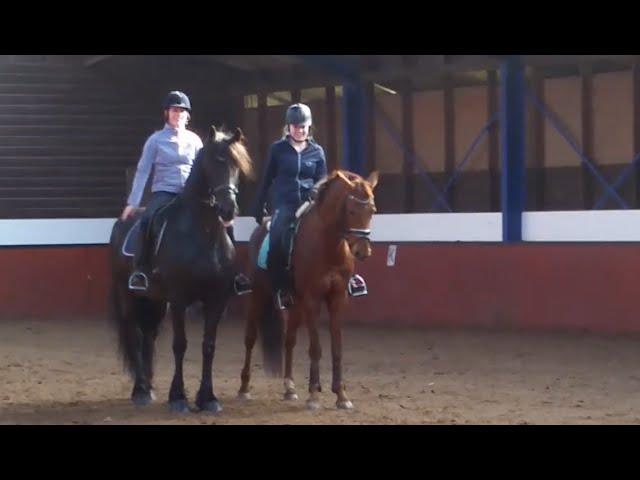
136, 319
270, 327
272, 335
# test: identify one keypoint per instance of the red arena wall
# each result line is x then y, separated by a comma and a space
541, 286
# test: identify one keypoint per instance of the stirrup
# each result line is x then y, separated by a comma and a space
141, 277
241, 285
357, 287
283, 300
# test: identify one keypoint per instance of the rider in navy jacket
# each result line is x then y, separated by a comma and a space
291, 175
294, 165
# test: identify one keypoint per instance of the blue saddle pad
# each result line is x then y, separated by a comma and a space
264, 251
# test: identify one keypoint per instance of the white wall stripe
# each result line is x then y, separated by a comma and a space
574, 226
582, 226
56, 231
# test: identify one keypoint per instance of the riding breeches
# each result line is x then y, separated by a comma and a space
279, 238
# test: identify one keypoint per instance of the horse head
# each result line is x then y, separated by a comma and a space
224, 157
351, 198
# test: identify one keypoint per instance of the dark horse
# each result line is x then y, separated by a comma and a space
194, 262
331, 235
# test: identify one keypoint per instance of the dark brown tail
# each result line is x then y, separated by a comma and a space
272, 336
136, 319
270, 326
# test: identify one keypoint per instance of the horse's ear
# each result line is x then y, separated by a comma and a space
373, 179
344, 177
213, 132
237, 135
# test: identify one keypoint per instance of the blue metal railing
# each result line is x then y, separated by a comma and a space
418, 163
594, 171
414, 159
467, 156
619, 181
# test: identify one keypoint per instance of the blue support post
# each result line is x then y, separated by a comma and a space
512, 125
353, 124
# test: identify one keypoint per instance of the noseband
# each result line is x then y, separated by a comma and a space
212, 201
358, 232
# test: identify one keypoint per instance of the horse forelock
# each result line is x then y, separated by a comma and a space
238, 150
364, 187
241, 158
360, 185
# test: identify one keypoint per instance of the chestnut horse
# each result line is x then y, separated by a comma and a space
330, 236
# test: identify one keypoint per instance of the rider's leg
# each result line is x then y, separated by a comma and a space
241, 284
139, 279
276, 258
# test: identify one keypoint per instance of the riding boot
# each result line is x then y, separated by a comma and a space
275, 268
241, 284
139, 279
285, 293
284, 289
283, 299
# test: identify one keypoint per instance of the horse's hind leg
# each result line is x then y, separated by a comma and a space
205, 399
293, 322
177, 399
256, 307
335, 305
143, 328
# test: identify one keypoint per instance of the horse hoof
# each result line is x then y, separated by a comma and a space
244, 396
313, 404
290, 396
179, 406
344, 404
143, 399
212, 407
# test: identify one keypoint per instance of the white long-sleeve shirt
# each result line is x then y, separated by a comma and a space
170, 152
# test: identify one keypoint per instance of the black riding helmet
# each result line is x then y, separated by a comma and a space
177, 99
298, 114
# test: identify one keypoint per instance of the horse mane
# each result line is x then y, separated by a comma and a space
237, 148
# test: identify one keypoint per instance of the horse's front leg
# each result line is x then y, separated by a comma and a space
335, 304
177, 399
205, 399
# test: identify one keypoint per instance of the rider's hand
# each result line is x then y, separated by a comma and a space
127, 212
259, 216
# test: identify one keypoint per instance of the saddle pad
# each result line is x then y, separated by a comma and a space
131, 243
262, 254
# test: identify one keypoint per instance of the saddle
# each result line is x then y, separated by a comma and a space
287, 242
155, 232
